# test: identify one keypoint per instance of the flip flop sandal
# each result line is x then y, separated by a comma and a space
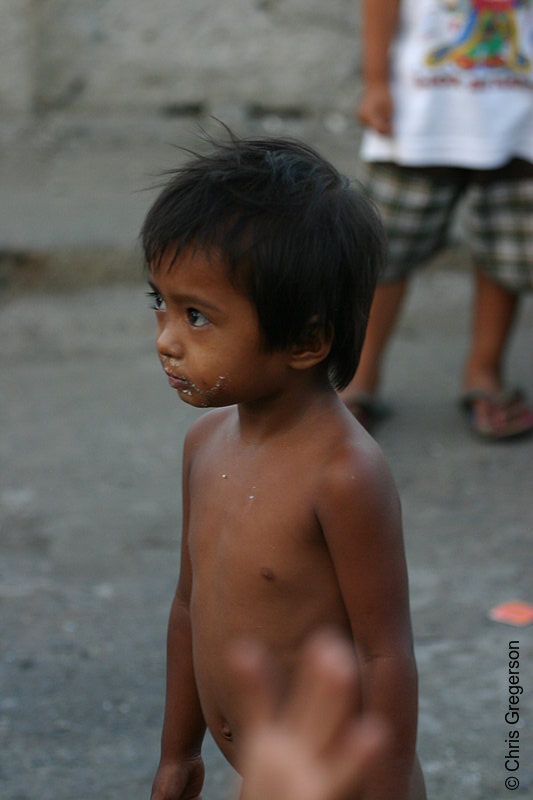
367, 409
507, 415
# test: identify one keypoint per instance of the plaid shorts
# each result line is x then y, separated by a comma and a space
417, 206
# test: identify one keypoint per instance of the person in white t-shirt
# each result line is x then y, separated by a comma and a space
448, 105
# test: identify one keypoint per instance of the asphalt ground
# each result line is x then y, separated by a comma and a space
90, 452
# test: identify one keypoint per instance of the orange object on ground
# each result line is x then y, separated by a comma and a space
514, 612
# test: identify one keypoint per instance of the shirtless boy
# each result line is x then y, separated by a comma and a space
263, 262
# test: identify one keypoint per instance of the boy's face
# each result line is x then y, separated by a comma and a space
208, 337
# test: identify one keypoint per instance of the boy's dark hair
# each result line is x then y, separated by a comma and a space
304, 245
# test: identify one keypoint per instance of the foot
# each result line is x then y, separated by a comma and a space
498, 415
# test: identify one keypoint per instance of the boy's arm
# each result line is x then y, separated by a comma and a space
180, 772
380, 21
359, 512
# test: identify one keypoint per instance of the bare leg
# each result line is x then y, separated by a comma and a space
493, 413
493, 317
384, 313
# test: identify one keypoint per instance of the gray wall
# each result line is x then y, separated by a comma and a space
93, 93
167, 56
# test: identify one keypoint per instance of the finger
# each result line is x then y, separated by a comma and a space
325, 691
362, 749
384, 125
361, 116
377, 113
257, 682
381, 118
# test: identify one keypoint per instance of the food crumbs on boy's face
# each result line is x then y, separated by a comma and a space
209, 395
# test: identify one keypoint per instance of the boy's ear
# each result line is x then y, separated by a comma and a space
313, 347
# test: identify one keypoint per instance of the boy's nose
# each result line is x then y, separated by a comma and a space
169, 342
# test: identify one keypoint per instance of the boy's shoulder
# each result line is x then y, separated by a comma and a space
207, 425
356, 501
361, 458
355, 469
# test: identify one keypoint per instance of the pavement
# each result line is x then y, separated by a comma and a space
90, 452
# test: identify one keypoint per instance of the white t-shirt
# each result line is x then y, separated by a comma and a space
462, 85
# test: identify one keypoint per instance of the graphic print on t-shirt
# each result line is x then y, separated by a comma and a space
487, 35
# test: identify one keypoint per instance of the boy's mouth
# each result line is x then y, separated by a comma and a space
178, 382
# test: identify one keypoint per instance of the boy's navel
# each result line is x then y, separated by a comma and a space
225, 730
267, 574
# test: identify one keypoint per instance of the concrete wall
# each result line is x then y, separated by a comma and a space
93, 93
174, 56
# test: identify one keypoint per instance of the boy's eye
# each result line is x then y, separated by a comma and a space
196, 318
158, 304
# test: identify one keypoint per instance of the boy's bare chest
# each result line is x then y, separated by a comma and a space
252, 517
259, 559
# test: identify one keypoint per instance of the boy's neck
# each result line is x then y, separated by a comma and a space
278, 414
